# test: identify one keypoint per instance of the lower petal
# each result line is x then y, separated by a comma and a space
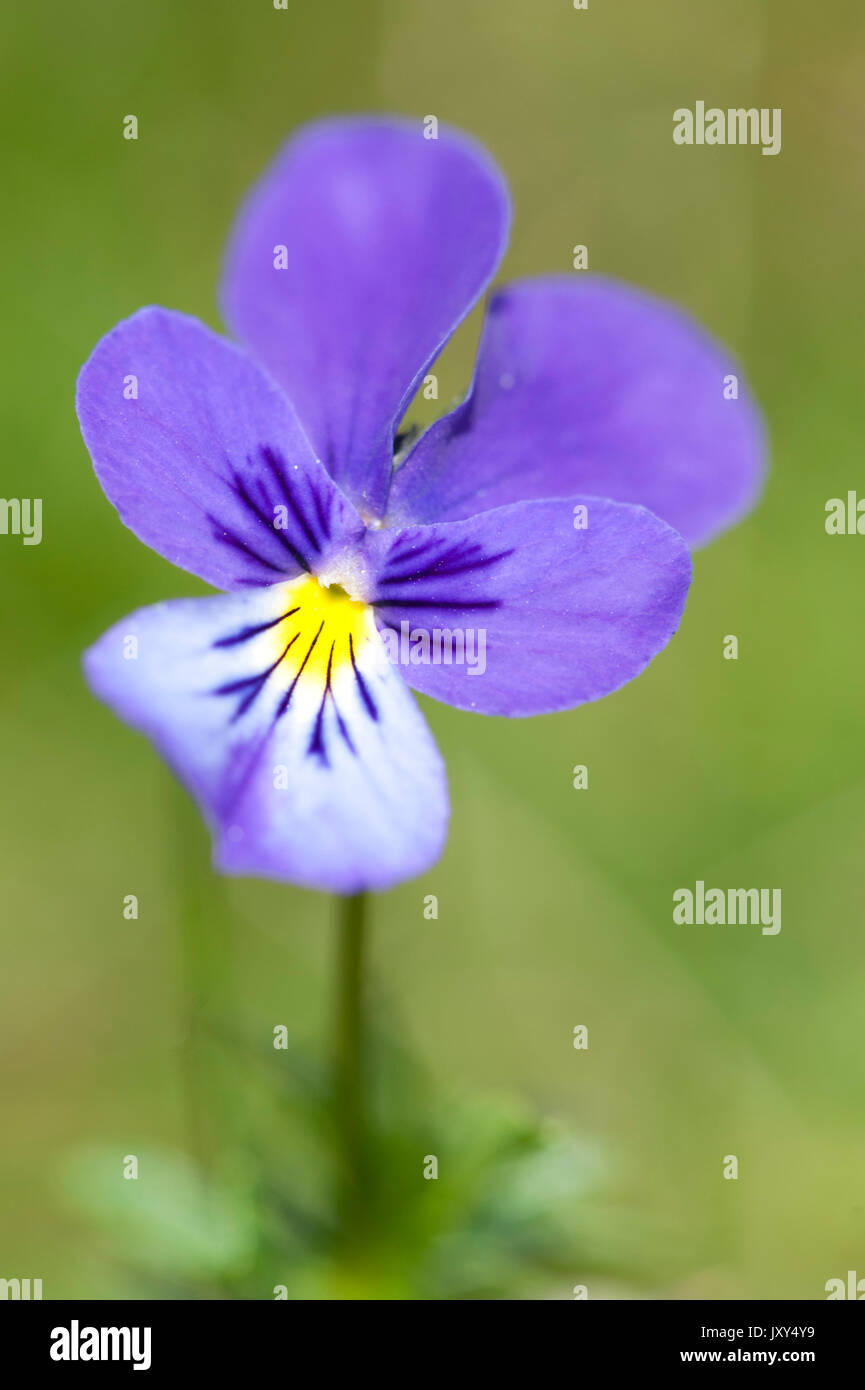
280, 712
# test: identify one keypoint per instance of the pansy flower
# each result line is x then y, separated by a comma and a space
546, 519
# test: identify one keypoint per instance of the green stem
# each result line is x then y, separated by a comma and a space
350, 1061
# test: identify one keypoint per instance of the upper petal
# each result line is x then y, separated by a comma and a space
533, 607
584, 385
203, 457
351, 264
279, 711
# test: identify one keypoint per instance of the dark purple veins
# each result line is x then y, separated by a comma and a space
430, 566
290, 514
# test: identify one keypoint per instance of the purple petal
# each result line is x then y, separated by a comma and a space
551, 615
307, 754
203, 457
584, 385
389, 239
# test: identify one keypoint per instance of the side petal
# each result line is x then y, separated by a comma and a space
587, 386
279, 711
203, 457
530, 608
352, 263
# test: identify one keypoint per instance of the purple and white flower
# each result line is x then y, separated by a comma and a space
268, 470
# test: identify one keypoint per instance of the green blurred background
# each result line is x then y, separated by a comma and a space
554, 904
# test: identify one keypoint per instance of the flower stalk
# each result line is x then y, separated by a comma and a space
350, 1069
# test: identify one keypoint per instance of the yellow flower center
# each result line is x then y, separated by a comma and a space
323, 629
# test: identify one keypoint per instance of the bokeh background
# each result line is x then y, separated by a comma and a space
130, 1037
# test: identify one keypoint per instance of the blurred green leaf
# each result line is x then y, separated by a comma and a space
169, 1220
